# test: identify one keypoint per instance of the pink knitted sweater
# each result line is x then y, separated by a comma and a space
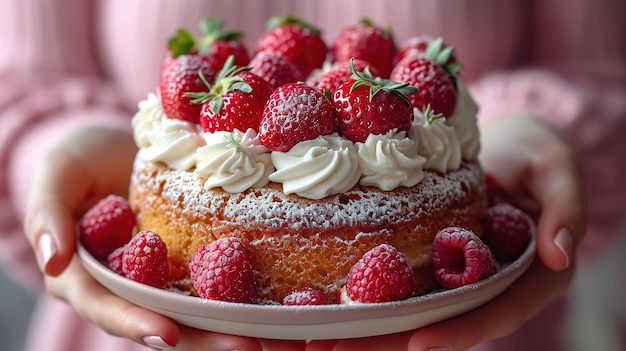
66, 63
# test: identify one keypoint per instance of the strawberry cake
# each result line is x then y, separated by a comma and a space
305, 181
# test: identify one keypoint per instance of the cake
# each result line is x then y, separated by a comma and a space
193, 186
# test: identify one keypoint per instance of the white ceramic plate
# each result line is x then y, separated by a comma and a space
310, 322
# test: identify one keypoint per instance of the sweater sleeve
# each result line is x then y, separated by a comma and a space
590, 113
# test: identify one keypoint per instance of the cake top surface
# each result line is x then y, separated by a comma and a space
368, 130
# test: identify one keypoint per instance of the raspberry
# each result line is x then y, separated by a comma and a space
382, 274
145, 259
307, 296
221, 271
507, 231
114, 261
460, 258
106, 226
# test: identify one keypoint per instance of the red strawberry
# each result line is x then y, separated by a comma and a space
179, 75
435, 85
214, 44
367, 106
235, 101
274, 68
305, 297
189, 55
106, 226
297, 41
367, 42
145, 260
295, 112
460, 258
221, 271
507, 231
339, 73
419, 46
382, 274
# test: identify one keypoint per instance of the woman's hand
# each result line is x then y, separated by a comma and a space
84, 167
538, 172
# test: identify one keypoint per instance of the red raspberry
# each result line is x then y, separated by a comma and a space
145, 259
114, 261
106, 226
274, 68
460, 258
307, 296
382, 274
507, 231
221, 271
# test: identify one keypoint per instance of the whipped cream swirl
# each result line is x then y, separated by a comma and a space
463, 120
234, 161
436, 141
171, 141
317, 168
389, 161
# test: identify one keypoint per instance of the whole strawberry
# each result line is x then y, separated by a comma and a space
274, 68
145, 260
365, 106
507, 231
294, 113
187, 55
179, 75
235, 101
340, 73
296, 40
382, 274
420, 46
460, 258
435, 85
106, 226
367, 42
221, 271
214, 44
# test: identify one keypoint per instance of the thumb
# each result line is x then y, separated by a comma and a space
49, 223
562, 223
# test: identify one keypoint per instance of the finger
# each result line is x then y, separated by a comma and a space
498, 318
87, 165
397, 341
114, 315
321, 345
282, 345
195, 339
558, 186
58, 187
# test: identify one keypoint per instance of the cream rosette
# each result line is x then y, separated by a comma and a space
234, 161
317, 168
389, 161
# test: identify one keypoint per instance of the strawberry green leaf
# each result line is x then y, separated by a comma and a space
211, 25
181, 43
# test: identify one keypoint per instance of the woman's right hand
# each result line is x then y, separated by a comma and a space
84, 167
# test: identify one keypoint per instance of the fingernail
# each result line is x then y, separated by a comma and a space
46, 249
564, 241
157, 342
440, 348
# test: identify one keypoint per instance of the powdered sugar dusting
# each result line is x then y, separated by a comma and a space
269, 207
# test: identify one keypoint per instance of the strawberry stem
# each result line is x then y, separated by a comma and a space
232, 142
439, 53
226, 80
401, 89
430, 114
